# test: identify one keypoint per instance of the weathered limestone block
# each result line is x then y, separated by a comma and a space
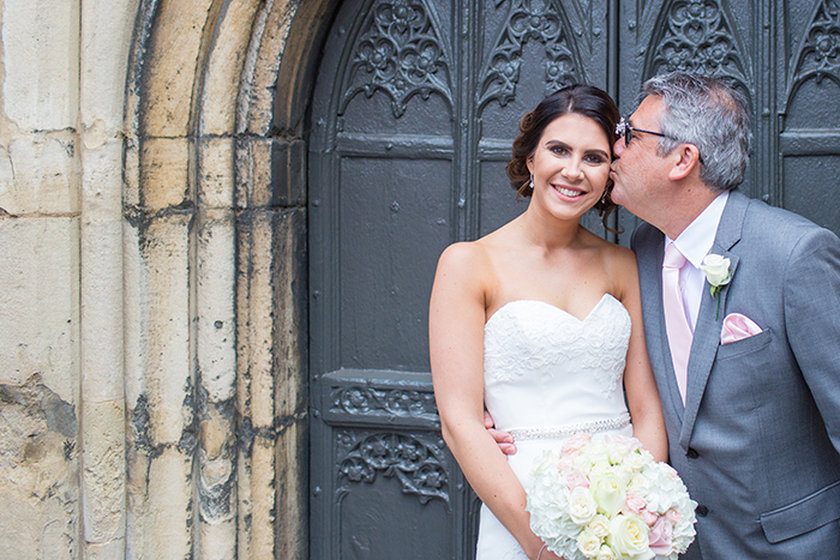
291, 381
38, 174
288, 172
224, 68
103, 479
257, 513
114, 550
270, 172
174, 53
255, 332
39, 273
166, 360
38, 472
168, 512
257, 104
159, 512
253, 172
215, 172
163, 172
41, 60
215, 301
102, 300
107, 26
217, 482
292, 513
101, 178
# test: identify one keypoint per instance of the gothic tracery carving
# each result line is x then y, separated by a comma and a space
697, 37
540, 20
399, 52
819, 54
416, 464
365, 400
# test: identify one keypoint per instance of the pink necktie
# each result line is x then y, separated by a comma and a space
676, 324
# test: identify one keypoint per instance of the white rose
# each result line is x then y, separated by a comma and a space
629, 537
608, 491
581, 505
588, 543
605, 553
600, 525
716, 269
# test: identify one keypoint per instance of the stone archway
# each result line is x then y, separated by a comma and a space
215, 277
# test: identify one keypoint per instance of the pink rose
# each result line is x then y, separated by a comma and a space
575, 443
565, 464
635, 503
618, 440
673, 516
575, 479
649, 517
660, 536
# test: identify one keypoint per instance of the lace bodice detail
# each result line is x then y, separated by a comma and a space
544, 366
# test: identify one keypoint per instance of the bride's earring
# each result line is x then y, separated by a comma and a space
531, 183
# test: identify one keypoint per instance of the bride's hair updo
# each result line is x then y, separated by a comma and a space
585, 100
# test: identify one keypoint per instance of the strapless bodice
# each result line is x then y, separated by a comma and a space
545, 367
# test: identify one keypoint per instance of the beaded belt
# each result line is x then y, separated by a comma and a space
566, 430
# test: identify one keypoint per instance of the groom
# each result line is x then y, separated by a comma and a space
749, 375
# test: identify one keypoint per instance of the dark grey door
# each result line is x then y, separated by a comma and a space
415, 107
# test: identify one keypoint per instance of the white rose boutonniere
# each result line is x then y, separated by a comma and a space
716, 269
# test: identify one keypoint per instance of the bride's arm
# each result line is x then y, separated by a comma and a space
456, 344
639, 383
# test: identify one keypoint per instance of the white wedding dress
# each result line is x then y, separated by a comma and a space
548, 375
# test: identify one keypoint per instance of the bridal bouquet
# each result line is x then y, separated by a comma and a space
603, 497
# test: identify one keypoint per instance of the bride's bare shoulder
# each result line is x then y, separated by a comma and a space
479, 253
463, 256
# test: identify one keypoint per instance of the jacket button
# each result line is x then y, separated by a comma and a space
692, 453
702, 510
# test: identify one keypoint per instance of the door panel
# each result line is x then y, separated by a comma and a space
393, 224
809, 142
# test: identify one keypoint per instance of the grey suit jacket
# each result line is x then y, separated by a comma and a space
758, 440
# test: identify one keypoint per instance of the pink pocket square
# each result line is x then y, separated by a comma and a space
737, 327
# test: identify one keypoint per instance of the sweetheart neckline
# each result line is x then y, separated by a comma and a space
557, 307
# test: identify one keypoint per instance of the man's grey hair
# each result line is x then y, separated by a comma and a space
708, 113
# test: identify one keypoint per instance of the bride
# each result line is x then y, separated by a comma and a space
540, 321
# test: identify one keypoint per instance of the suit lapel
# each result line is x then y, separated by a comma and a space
707, 330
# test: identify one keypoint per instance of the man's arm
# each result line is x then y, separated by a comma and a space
812, 320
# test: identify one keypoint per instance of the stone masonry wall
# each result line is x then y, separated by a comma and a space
152, 280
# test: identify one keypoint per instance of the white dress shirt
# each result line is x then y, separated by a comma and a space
694, 243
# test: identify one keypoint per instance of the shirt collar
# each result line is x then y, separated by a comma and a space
697, 239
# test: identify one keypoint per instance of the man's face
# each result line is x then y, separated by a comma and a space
638, 171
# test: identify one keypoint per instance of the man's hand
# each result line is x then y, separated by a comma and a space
504, 439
